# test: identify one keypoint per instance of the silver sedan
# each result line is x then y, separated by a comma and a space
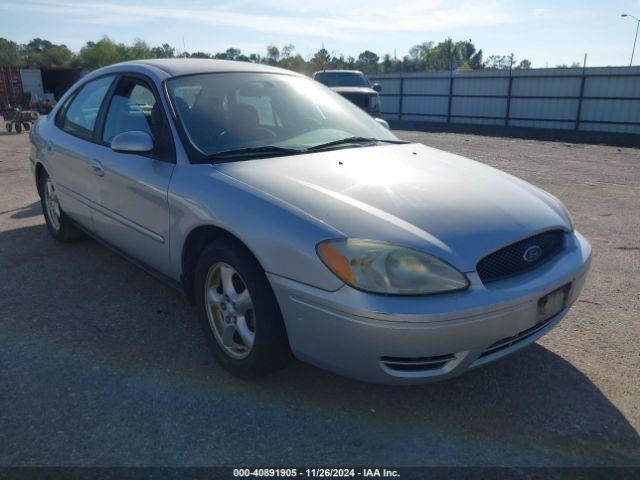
299, 225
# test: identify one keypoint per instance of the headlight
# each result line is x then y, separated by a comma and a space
380, 267
374, 101
569, 217
564, 209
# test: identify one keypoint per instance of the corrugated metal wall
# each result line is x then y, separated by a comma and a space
596, 99
32, 82
10, 86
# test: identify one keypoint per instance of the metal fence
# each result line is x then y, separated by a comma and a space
590, 99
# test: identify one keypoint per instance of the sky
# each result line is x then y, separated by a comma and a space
547, 32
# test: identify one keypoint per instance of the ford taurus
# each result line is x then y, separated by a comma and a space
300, 226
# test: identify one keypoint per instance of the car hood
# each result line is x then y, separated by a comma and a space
450, 206
363, 90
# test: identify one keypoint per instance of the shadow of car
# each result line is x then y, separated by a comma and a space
112, 365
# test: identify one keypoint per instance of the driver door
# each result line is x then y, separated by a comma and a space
133, 210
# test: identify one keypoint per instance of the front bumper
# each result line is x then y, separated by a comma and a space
402, 340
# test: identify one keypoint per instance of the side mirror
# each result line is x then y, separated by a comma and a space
377, 87
383, 123
134, 141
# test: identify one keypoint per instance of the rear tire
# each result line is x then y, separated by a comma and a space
59, 225
8, 126
18, 127
238, 312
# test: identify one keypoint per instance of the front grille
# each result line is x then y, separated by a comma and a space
358, 99
510, 260
421, 364
509, 341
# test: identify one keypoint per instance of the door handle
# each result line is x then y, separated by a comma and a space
97, 168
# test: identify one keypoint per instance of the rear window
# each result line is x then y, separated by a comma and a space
342, 79
80, 116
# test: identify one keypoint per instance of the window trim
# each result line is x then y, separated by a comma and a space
168, 156
62, 110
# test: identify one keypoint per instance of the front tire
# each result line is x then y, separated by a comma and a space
59, 225
238, 312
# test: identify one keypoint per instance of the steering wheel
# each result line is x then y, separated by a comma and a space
268, 131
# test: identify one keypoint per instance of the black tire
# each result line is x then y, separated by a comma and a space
8, 126
66, 231
26, 126
270, 350
18, 127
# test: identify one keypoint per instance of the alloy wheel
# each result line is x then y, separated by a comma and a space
52, 204
230, 310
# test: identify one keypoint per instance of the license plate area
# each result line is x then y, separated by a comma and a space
553, 303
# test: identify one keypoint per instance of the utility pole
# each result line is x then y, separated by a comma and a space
633, 51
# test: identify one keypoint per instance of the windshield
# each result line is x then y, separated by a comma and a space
342, 79
220, 112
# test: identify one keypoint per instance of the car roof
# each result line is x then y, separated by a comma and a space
188, 66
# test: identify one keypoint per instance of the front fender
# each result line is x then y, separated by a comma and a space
282, 237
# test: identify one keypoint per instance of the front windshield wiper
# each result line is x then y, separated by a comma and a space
352, 140
251, 152
276, 151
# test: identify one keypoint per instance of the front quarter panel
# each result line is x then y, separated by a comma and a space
36, 145
282, 237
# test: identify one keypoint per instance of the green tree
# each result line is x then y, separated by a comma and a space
287, 50
273, 54
524, 64
466, 53
368, 61
163, 51
9, 56
39, 53
424, 56
101, 53
420, 52
58, 56
573, 65
233, 53
198, 55
443, 56
106, 52
138, 50
320, 60
500, 62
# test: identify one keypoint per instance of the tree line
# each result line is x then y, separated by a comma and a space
426, 56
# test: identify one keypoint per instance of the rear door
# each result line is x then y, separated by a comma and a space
70, 151
133, 208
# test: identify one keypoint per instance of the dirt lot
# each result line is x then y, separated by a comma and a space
101, 364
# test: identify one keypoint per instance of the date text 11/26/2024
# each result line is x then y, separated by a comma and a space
316, 472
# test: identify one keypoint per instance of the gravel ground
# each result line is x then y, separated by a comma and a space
102, 365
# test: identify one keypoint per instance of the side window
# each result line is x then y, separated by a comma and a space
80, 117
133, 107
130, 109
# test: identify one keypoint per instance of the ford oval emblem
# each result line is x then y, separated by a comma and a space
532, 254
